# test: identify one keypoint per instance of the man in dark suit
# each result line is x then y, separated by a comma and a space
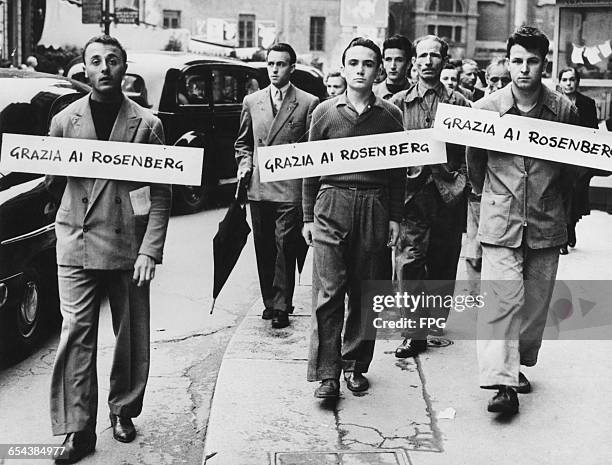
278, 114
468, 75
110, 236
578, 201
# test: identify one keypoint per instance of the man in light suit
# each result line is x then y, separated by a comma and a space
110, 236
278, 114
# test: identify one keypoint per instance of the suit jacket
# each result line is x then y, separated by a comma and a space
96, 225
586, 110
520, 193
259, 128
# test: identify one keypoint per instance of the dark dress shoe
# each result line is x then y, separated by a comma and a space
505, 401
524, 386
411, 348
267, 314
76, 446
281, 319
563, 250
123, 428
355, 381
329, 388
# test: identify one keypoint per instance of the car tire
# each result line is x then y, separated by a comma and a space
190, 199
34, 316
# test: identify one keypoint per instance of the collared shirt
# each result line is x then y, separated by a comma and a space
382, 90
273, 95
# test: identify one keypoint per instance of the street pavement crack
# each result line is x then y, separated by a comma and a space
437, 433
194, 335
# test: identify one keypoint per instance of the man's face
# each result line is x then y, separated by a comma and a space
395, 62
568, 82
526, 68
104, 67
469, 76
498, 77
448, 77
279, 68
360, 68
335, 86
429, 60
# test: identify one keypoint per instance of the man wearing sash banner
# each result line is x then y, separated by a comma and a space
522, 226
434, 203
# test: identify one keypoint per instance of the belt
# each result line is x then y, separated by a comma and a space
354, 188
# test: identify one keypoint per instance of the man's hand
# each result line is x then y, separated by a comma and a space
394, 229
307, 230
245, 172
144, 270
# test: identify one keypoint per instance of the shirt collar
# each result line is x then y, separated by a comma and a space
547, 98
374, 101
419, 91
282, 89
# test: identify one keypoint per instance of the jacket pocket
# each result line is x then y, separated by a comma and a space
494, 214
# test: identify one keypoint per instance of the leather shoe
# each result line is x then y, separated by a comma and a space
355, 381
505, 401
524, 386
411, 348
563, 250
329, 388
281, 319
267, 314
76, 446
123, 428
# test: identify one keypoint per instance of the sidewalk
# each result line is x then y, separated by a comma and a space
423, 411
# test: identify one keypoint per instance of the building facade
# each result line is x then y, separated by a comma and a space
21, 25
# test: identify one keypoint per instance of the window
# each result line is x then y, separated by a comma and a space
246, 30
448, 33
317, 33
224, 86
172, 19
446, 6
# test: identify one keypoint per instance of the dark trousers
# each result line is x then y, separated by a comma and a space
429, 249
74, 382
277, 229
351, 231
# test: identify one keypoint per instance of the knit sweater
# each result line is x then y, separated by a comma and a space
335, 118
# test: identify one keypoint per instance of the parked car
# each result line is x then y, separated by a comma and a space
307, 78
28, 274
199, 99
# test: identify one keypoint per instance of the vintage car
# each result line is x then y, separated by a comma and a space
28, 275
199, 99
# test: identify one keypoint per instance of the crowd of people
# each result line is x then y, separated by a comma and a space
110, 234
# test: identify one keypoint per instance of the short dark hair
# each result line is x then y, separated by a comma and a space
442, 42
367, 43
529, 37
283, 47
106, 40
451, 66
400, 42
570, 68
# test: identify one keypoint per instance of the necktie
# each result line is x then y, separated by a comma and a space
278, 99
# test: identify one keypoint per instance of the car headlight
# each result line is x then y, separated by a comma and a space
3, 294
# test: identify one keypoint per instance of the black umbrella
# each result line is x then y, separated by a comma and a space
302, 251
229, 242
